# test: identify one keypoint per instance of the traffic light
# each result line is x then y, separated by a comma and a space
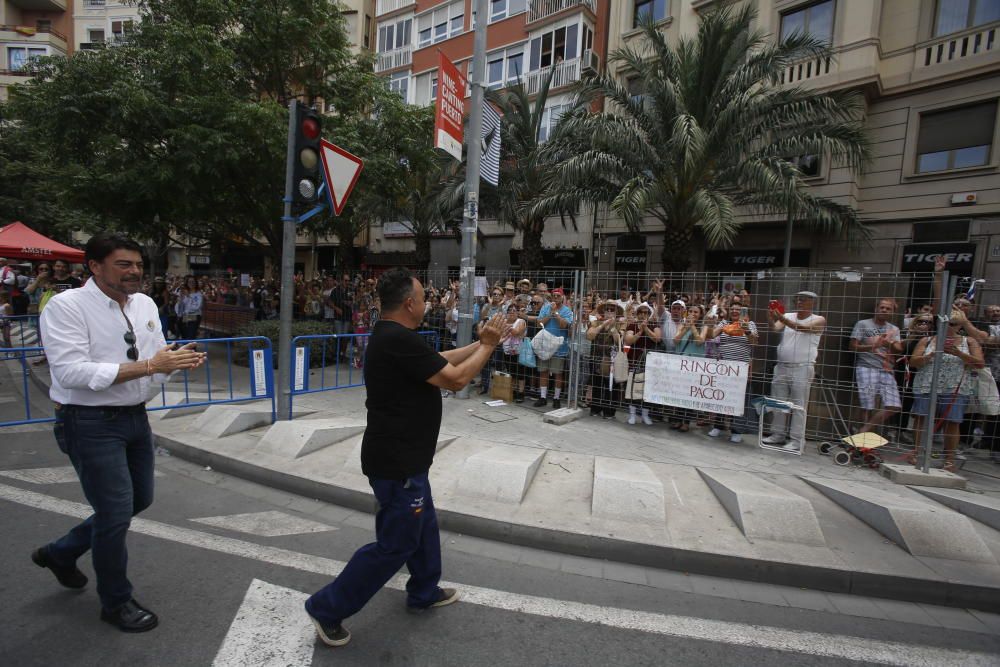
306, 174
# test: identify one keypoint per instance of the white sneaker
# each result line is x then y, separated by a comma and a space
714, 433
774, 439
792, 447
647, 420
736, 437
631, 419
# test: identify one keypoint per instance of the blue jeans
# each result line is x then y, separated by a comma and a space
406, 532
112, 451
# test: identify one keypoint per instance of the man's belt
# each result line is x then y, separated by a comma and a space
106, 409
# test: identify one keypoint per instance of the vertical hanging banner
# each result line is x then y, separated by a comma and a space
449, 108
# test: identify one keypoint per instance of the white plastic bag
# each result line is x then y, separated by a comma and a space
546, 344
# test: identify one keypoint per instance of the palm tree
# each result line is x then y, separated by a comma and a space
526, 170
713, 135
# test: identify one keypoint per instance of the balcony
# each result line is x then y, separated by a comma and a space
808, 70
400, 57
957, 47
386, 6
41, 5
94, 4
540, 9
45, 36
566, 72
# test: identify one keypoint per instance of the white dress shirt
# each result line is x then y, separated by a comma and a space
83, 333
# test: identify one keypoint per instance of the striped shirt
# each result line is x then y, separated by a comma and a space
736, 348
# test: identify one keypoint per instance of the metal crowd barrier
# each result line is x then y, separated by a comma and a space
195, 388
347, 351
20, 331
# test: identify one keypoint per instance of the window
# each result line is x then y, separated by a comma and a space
502, 9
368, 31
122, 28
955, 15
808, 165
43, 25
813, 20
425, 88
441, 24
655, 9
553, 47
95, 36
18, 56
394, 36
400, 83
956, 138
550, 118
504, 67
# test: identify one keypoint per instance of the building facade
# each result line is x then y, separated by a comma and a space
32, 29
929, 71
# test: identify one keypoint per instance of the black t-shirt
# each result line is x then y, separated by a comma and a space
404, 410
63, 284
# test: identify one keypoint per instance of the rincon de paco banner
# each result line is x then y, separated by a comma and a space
697, 383
449, 108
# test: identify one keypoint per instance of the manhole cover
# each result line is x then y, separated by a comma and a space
494, 416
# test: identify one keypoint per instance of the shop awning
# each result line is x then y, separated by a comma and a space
18, 241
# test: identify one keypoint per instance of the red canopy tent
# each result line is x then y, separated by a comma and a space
18, 241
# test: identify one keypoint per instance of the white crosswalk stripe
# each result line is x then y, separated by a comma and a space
265, 524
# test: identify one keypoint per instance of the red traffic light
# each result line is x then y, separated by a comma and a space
310, 128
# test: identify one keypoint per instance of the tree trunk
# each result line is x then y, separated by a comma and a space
423, 243
531, 248
676, 253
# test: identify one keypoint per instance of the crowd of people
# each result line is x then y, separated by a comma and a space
614, 332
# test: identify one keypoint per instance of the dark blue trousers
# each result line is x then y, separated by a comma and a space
406, 532
112, 452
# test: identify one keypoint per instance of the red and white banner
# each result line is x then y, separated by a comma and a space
449, 109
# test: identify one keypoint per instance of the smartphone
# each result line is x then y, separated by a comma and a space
744, 314
777, 306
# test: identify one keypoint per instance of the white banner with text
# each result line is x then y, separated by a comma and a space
696, 383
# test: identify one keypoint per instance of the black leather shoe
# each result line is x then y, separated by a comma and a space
70, 577
540, 402
130, 617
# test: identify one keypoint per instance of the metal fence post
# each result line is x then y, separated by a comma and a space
944, 312
573, 379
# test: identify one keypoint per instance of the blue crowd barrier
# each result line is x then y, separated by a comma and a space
20, 331
260, 383
347, 349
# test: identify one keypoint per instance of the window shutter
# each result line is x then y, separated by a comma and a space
957, 128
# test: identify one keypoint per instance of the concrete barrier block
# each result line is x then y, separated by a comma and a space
626, 490
295, 439
920, 527
983, 509
562, 416
502, 473
219, 421
910, 476
764, 511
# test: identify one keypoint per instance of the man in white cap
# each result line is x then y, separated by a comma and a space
793, 374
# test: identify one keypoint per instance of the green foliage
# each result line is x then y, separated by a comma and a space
182, 129
710, 136
269, 329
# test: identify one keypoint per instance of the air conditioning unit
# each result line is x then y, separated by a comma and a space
591, 61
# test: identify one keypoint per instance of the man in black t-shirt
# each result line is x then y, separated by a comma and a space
404, 376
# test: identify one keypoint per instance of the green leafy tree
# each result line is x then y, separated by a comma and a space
180, 132
712, 135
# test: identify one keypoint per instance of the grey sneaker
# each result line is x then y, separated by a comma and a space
331, 635
446, 596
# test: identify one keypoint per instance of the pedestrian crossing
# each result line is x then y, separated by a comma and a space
54, 475
265, 524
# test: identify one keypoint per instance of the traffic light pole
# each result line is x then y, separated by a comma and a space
470, 216
283, 389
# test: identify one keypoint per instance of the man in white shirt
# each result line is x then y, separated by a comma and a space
8, 279
793, 374
107, 353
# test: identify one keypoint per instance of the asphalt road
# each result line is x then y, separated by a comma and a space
523, 607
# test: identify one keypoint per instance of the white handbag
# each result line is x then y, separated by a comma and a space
986, 400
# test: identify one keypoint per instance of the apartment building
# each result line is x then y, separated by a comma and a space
31, 29
524, 39
929, 71
930, 74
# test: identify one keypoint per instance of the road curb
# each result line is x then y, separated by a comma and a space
909, 589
